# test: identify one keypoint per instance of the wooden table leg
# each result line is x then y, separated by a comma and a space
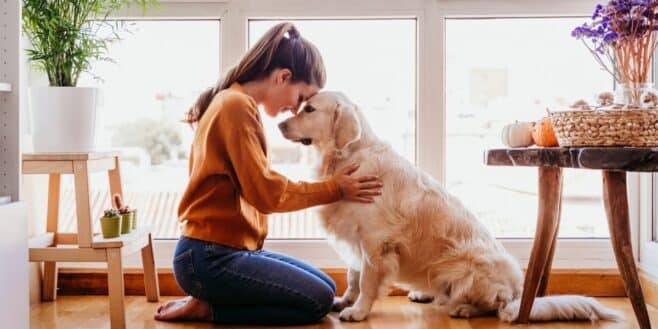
616, 208
116, 288
49, 287
151, 288
543, 285
82, 203
49, 284
548, 219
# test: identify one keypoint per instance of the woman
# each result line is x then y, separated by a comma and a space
219, 260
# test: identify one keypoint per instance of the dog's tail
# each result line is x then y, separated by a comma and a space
564, 307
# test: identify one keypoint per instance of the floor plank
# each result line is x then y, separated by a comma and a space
389, 313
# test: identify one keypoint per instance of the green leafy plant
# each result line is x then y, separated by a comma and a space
65, 34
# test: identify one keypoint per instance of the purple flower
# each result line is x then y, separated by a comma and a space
624, 18
597, 11
615, 25
581, 31
610, 37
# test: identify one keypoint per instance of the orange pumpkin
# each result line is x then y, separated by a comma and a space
543, 133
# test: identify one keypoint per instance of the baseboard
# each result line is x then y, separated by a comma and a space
649, 285
598, 283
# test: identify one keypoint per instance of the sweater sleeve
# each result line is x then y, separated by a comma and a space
265, 189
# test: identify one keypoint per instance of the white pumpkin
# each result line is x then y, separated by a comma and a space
518, 134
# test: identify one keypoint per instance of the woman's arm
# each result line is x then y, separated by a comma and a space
265, 189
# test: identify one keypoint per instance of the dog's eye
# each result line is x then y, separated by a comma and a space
309, 109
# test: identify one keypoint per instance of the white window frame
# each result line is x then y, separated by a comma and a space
431, 109
648, 248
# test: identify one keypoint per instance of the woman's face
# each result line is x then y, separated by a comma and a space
284, 95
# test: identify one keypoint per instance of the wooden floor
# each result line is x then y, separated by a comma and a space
390, 313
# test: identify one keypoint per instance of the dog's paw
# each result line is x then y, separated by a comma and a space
420, 297
353, 314
341, 303
464, 311
442, 299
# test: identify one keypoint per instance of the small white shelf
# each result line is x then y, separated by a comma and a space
5, 199
5, 86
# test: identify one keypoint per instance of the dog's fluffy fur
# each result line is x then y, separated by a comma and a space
416, 234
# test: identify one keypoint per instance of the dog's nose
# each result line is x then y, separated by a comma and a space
283, 126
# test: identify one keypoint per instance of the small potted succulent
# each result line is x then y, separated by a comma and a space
111, 223
134, 218
126, 214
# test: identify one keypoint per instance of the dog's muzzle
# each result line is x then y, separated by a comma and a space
283, 126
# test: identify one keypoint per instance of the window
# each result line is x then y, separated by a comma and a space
159, 69
648, 226
654, 224
409, 56
650, 233
502, 70
655, 229
379, 78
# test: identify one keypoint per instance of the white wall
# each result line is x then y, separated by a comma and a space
14, 307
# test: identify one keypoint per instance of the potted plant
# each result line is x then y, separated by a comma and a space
126, 214
622, 38
64, 42
110, 223
134, 218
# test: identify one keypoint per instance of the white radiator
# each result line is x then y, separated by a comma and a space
14, 286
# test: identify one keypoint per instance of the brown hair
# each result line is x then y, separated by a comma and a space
281, 47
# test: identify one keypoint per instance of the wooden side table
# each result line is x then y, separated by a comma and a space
614, 162
86, 246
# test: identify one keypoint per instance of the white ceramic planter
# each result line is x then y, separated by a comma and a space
63, 118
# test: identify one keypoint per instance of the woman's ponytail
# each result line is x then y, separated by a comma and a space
281, 47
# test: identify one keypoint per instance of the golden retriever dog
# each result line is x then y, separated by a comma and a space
415, 235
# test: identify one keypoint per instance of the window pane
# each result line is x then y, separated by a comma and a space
654, 213
161, 68
380, 77
502, 70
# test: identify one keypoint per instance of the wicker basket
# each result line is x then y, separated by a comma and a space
637, 128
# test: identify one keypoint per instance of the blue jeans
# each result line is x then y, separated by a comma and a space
252, 287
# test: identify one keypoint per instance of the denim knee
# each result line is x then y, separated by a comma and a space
333, 286
324, 300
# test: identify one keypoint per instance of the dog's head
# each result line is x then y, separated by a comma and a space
328, 120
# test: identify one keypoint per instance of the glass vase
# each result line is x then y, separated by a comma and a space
631, 94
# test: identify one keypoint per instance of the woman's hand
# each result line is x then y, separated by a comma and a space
360, 189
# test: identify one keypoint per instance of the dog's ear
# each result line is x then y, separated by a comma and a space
347, 128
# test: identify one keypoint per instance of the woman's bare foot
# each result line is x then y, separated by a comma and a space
188, 308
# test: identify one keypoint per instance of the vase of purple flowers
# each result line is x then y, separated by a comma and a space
622, 38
